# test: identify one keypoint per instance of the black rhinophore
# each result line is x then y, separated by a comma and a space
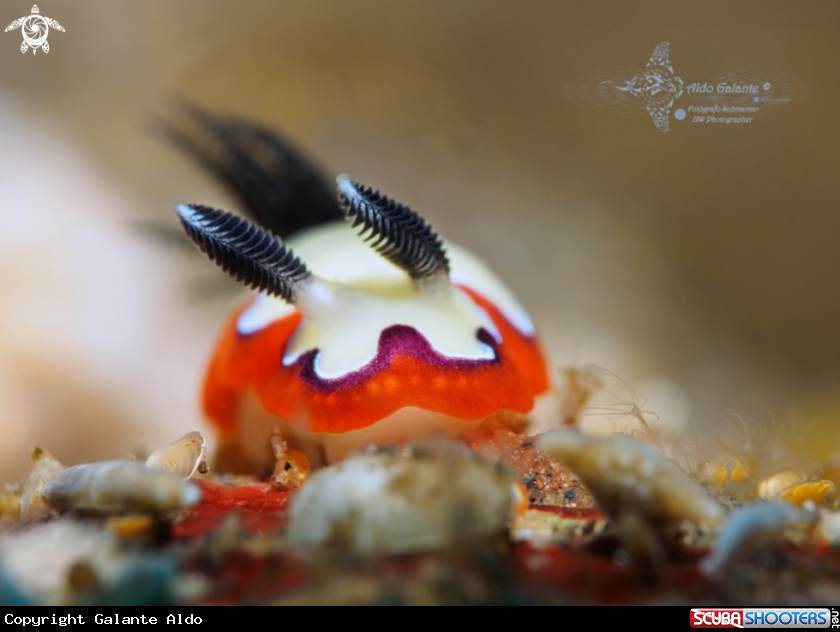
250, 254
278, 187
398, 233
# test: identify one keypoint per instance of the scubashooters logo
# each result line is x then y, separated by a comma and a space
735, 96
762, 618
35, 28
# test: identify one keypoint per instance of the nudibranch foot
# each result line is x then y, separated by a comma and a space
250, 449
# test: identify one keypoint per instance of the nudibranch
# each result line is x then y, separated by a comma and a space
352, 341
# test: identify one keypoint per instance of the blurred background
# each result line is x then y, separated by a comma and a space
697, 264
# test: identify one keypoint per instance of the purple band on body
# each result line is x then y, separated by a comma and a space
393, 341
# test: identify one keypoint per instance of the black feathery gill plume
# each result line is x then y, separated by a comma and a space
400, 235
277, 186
252, 255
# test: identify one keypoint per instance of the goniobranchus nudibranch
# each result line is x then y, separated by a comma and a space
369, 329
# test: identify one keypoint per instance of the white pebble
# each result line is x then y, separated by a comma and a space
640, 481
388, 503
113, 486
181, 457
749, 526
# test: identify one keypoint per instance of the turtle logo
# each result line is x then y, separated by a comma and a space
35, 29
